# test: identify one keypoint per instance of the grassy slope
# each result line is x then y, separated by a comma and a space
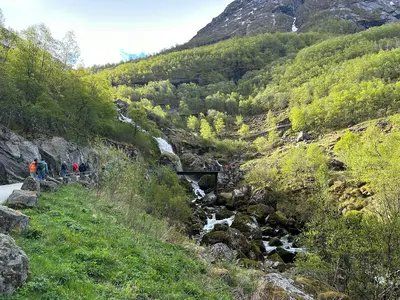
79, 250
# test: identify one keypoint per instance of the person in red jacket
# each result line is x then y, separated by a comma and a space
75, 168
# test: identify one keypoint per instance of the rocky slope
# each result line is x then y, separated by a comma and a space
249, 17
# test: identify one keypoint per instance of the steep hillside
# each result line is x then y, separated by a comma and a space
250, 17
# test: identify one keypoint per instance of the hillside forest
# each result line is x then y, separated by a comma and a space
342, 90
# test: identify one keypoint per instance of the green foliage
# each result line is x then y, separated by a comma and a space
357, 254
106, 260
244, 130
206, 130
143, 193
40, 92
193, 123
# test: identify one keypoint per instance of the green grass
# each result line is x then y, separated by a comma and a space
79, 250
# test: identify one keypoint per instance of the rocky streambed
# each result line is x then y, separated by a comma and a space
237, 220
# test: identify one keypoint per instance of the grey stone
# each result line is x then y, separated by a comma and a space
303, 137
31, 184
209, 200
22, 199
48, 186
3, 174
220, 252
14, 265
11, 220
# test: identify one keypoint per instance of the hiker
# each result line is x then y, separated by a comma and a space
82, 168
75, 168
64, 169
33, 168
45, 170
40, 170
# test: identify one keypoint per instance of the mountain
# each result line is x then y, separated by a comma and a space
250, 17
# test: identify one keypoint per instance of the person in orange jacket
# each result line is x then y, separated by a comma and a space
33, 168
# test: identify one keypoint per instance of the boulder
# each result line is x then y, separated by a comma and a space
233, 238
209, 200
336, 165
207, 182
30, 184
15, 154
22, 199
287, 256
224, 198
240, 197
248, 226
14, 265
260, 211
11, 220
48, 186
277, 218
3, 174
220, 252
303, 137
224, 214
277, 286
275, 242
263, 197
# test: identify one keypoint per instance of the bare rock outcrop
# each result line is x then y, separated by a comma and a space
12, 220
14, 265
22, 199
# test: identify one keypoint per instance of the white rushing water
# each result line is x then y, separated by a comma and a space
6, 191
127, 120
294, 28
197, 190
213, 221
286, 245
164, 146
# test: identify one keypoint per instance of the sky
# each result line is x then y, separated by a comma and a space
105, 27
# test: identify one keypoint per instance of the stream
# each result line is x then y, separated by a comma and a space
211, 220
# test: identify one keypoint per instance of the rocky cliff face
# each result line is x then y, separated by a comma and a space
16, 153
249, 17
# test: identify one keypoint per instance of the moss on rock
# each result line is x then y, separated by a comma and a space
277, 218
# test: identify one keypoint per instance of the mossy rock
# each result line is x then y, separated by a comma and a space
249, 263
260, 211
276, 257
224, 198
256, 249
268, 231
207, 182
275, 242
312, 286
221, 227
214, 237
224, 214
247, 226
333, 296
277, 218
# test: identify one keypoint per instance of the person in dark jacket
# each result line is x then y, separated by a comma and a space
64, 169
82, 168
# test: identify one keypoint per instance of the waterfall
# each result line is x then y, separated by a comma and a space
164, 146
294, 28
127, 120
213, 221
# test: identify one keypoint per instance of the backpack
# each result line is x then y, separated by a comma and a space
39, 166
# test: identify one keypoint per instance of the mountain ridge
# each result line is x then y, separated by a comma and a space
250, 17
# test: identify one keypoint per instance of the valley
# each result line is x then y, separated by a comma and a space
293, 105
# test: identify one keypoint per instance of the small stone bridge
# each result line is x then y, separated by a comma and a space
201, 174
